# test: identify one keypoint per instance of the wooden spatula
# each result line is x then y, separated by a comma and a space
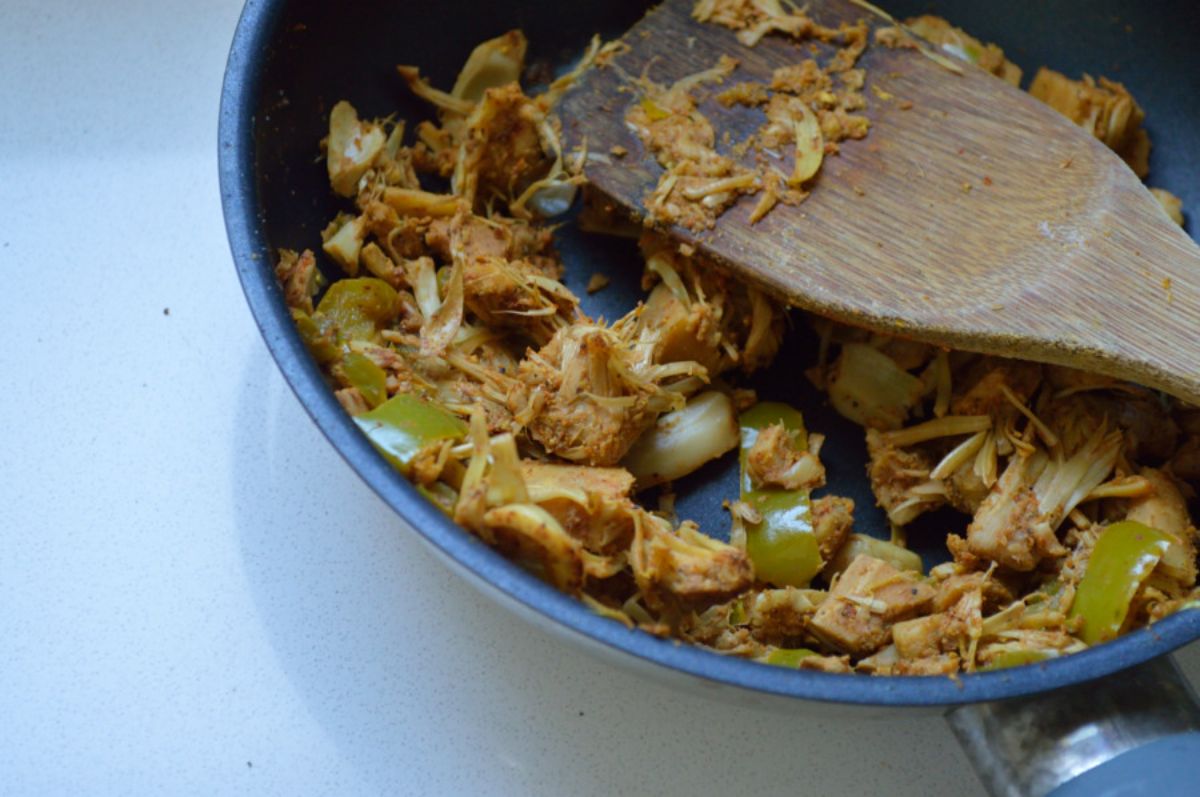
977, 218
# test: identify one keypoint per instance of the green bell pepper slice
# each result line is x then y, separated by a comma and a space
405, 425
317, 338
357, 308
788, 657
737, 613
1124, 556
363, 373
1016, 658
782, 545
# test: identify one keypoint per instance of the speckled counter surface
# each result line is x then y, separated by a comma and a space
197, 595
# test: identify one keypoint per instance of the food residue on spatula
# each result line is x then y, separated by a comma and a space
808, 109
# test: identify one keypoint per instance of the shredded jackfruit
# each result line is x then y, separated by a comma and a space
1102, 107
453, 300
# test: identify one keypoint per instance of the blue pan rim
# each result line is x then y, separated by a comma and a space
252, 258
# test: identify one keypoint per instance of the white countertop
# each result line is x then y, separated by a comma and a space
196, 594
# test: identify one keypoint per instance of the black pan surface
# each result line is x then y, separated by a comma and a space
291, 61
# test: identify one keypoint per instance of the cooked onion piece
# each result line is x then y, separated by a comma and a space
680, 442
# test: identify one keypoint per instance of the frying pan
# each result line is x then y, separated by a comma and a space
1027, 729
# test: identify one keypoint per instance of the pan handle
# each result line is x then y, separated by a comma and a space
1125, 734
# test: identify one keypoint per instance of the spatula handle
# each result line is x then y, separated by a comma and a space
1104, 733
1157, 769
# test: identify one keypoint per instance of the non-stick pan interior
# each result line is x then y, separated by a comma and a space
299, 58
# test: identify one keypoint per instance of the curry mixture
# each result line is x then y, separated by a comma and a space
447, 332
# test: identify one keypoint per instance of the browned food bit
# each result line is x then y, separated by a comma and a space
956, 629
775, 461
698, 311
683, 567
990, 381
510, 277
961, 44
496, 62
591, 504
593, 389
748, 94
805, 111
865, 602
1172, 204
503, 152
826, 663
495, 503
833, 519
896, 475
780, 617
753, 20
298, 275
1015, 525
698, 184
1104, 108
597, 282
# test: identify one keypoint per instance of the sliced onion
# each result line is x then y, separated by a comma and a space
683, 440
